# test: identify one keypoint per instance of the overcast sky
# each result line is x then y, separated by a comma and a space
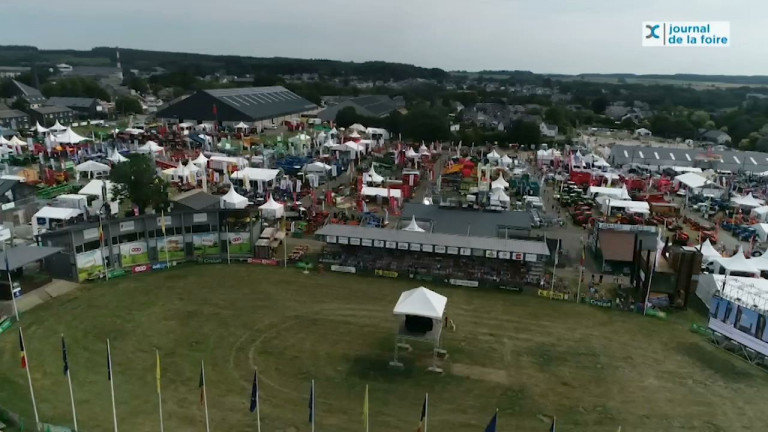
545, 36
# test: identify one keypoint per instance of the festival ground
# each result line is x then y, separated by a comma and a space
595, 369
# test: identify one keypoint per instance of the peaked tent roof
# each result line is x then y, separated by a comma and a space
413, 226
241, 125
709, 251
374, 176
57, 127
92, 166
232, 199
421, 302
95, 188
39, 128
150, 146
748, 201
69, 137
17, 142
493, 155
738, 263
116, 157
200, 160
357, 127
499, 183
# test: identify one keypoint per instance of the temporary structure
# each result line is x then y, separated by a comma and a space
241, 125
316, 167
493, 156
92, 168
708, 251
97, 188
505, 161
15, 141
117, 158
272, 209
615, 193
69, 137
233, 199
372, 176
736, 264
499, 198
40, 129
57, 127
411, 154
151, 147
747, 201
357, 127
413, 226
420, 317
499, 183
201, 161
761, 231
423, 150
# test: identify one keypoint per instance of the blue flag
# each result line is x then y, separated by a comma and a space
255, 392
312, 402
64, 356
492, 424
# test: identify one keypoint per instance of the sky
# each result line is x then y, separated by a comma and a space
543, 36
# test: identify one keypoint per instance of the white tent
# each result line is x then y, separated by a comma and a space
412, 308
759, 213
272, 209
3, 141
505, 161
413, 226
316, 167
616, 193
15, 141
708, 251
421, 302
69, 137
747, 201
185, 172
761, 231
411, 154
372, 176
93, 168
57, 127
737, 263
692, 180
349, 146
241, 125
423, 150
761, 263
499, 198
201, 161
630, 206
382, 192
357, 127
40, 129
233, 199
256, 174
151, 147
96, 188
47, 216
499, 183
493, 156
748, 290
116, 157
354, 134
133, 131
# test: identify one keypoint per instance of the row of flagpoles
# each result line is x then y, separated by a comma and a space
254, 405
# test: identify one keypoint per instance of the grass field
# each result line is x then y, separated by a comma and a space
594, 369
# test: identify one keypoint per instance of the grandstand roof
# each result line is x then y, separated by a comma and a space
730, 160
238, 104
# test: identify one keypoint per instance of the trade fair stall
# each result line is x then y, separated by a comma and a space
419, 314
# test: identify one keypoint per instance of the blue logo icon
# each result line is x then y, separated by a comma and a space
652, 31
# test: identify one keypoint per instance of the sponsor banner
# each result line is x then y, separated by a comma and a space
452, 250
90, 265
517, 256
134, 253
90, 233
426, 248
378, 243
491, 254
205, 244
462, 282
386, 273
465, 251
366, 242
601, 303
343, 240
391, 245
440, 249
239, 243
5, 324
162, 266
504, 255
416, 247
262, 261
402, 246
210, 260
144, 268
199, 217
354, 241
173, 245
511, 288
330, 239
423, 277
553, 295
127, 226
531, 257
343, 269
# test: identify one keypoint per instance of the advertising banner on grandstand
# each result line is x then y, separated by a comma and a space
206, 244
343, 269
134, 253
89, 265
239, 243
174, 245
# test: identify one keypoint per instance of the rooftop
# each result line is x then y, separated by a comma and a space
197, 199
78, 102
465, 222
11, 113
51, 109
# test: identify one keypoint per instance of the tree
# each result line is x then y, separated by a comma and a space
136, 181
524, 132
599, 105
762, 145
128, 105
395, 122
75, 87
136, 83
699, 118
423, 124
347, 116
20, 104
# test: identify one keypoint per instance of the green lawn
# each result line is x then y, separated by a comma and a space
594, 369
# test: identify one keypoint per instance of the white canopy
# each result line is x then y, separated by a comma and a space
300, 138
692, 180
151, 147
382, 192
256, 174
761, 231
272, 209
316, 166
747, 201
498, 195
95, 188
411, 154
349, 146
761, 262
15, 141
424, 150
201, 161
708, 251
628, 205
40, 129
421, 302
737, 263
133, 131
3, 141
233, 199
357, 127
354, 134
499, 183
616, 193
493, 156
241, 125
749, 290
57, 127
505, 161
92, 167
372, 176
183, 171
116, 157
413, 226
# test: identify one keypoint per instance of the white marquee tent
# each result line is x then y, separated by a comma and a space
92, 168
737, 263
382, 192
116, 157
69, 137
747, 201
57, 127
15, 141
233, 199
39, 128
201, 161
708, 251
272, 209
357, 127
499, 183
372, 177
759, 213
413, 226
493, 156
505, 161
421, 302
151, 147
615, 193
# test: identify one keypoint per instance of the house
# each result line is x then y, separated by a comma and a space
548, 130
616, 111
32, 95
716, 136
48, 115
642, 132
14, 119
84, 107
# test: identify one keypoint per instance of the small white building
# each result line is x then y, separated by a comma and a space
548, 130
643, 132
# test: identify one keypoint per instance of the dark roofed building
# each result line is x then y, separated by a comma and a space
14, 119
48, 115
194, 200
86, 106
251, 104
728, 160
30, 94
508, 224
94, 72
368, 105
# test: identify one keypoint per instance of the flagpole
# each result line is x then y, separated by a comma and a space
205, 397
69, 381
554, 269
159, 391
229, 260
313, 405
426, 410
101, 245
111, 385
29, 378
10, 282
258, 408
366, 408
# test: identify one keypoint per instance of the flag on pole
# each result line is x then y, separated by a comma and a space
202, 385
312, 402
492, 424
22, 351
423, 417
255, 392
162, 221
157, 371
64, 356
365, 409
101, 232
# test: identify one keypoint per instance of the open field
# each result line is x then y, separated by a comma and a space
594, 369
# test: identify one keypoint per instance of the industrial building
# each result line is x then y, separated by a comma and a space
256, 106
728, 160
